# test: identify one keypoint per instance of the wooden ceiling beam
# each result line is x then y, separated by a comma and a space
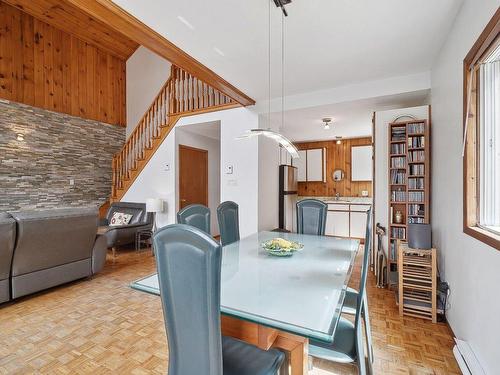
120, 20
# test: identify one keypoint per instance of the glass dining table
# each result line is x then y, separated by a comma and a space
281, 302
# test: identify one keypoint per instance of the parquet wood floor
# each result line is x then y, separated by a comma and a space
101, 326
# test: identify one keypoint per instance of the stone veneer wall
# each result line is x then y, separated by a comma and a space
35, 173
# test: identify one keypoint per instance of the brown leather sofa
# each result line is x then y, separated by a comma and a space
54, 247
7, 243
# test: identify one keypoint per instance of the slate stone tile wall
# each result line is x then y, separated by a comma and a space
36, 173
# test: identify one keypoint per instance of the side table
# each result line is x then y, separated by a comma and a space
143, 237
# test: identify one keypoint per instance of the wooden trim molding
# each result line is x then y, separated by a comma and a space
120, 20
471, 156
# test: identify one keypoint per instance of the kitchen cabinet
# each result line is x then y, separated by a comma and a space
316, 163
346, 220
301, 164
311, 165
337, 223
361, 163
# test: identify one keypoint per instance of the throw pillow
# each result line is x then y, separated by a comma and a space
119, 218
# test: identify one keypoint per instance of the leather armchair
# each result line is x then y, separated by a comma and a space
125, 234
7, 242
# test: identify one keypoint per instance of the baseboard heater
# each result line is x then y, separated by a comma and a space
467, 360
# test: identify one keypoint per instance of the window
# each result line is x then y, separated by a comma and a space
482, 136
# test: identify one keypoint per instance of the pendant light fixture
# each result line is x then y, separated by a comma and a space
279, 138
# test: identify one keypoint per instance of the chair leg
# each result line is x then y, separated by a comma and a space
360, 348
368, 330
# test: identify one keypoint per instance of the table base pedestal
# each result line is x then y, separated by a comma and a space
295, 347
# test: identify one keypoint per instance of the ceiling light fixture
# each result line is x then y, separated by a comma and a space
279, 138
185, 22
326, 123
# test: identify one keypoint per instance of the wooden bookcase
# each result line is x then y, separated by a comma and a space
409, 174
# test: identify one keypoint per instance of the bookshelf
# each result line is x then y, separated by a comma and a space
409, 184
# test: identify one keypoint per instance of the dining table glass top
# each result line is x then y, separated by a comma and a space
302, 294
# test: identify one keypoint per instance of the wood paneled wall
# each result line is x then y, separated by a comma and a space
51, 69
337, 157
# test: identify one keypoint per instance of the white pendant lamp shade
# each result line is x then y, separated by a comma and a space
154, 205
280, 139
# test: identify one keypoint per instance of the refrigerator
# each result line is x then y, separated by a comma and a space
287, 197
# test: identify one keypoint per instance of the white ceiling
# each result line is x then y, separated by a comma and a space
329, 43
349, 119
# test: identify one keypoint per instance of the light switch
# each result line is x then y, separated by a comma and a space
71, 182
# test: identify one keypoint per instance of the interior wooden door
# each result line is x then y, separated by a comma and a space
193, 176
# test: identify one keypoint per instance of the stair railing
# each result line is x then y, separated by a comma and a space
182, 94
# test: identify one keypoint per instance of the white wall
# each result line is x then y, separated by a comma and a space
146, 74
269, 162
188, 138
470, 267
158, 180
382, 121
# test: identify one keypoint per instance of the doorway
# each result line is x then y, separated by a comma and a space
193, 176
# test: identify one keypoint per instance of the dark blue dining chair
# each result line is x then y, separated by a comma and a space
311, 217
351, 296
227, 215
348, 345
189, 274
196, 215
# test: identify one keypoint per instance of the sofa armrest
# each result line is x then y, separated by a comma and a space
99, 254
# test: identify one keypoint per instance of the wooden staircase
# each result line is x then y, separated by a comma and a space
181, 95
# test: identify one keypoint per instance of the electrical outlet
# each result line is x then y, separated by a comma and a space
71, 182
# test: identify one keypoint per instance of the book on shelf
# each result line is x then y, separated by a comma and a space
398, 133
398, 195
399, 233
416, 156
416, 220
416, 209
398, 162
398, 177
416, 141
416, 128
416, 169
398, 148
416, 196
416, 183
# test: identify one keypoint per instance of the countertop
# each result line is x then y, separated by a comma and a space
342, 200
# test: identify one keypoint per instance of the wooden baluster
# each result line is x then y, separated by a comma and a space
155, 119
183, 91
191, 79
